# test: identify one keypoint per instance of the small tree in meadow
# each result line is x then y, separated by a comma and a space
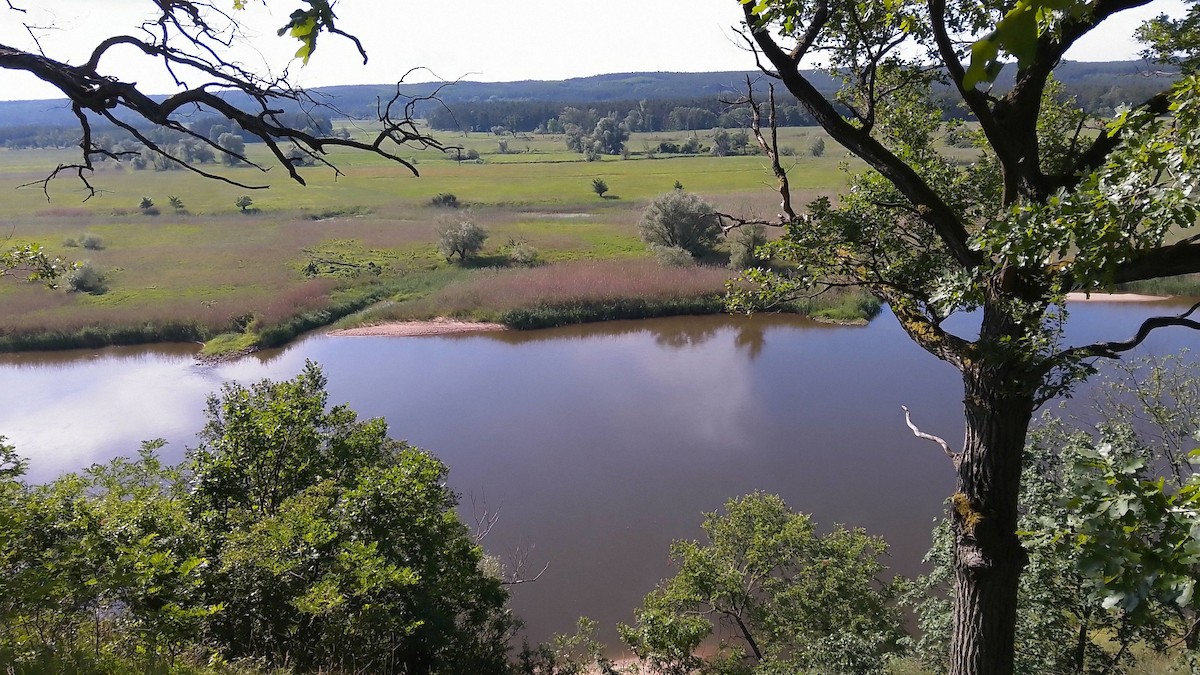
744, 244
682, 219
87, 278
176, 202
234, 146
461, 237
244, 202
599, 186
817, 147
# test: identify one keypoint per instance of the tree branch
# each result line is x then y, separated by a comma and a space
1112, 350
92, 93
934, 210
1165, 261
1104, 143
955, 458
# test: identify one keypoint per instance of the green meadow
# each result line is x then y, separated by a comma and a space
302, 256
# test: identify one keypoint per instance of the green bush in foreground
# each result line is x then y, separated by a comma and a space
794, 600
292, 527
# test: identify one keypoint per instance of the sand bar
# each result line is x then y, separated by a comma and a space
1114, 297
438, 326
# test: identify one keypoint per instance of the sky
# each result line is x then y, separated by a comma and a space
485, 40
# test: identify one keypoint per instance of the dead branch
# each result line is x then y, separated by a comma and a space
485, 519
955, 458
517, 577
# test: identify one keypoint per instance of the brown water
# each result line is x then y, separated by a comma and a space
597, 444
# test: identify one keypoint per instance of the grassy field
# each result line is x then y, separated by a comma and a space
211, 268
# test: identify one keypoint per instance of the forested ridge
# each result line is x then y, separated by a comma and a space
523, 106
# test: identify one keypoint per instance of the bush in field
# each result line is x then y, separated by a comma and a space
680, 219
244, 202
817, 147
445, 199
176, 202
148, 208
87, 278
87, 240
521, 253
672, 256
743, 245
599, 186
461, 237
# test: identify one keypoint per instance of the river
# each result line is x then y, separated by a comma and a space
596, 444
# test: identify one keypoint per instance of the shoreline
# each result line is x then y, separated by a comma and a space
446, 326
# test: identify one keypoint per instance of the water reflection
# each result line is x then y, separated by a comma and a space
598, 444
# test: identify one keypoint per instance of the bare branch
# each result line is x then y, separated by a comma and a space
517, 579
955, 458
186, 25
485, 520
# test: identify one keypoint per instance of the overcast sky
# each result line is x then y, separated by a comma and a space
489, 40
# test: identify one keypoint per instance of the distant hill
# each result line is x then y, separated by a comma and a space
1104, 83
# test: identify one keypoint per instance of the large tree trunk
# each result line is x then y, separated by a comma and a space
988, 557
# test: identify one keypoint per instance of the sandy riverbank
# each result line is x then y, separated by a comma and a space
439, 326
1114, 297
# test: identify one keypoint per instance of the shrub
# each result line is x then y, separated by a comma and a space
672, 256
244, 202
680, 219
444, 199
176, 202
817, 147
461, 237
692, 146
743, 245
599, 186
87, 278
91, 242
520, 253
666, 147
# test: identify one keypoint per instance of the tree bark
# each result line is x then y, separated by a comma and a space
988, 556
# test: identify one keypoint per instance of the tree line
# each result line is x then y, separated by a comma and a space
1095, 96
